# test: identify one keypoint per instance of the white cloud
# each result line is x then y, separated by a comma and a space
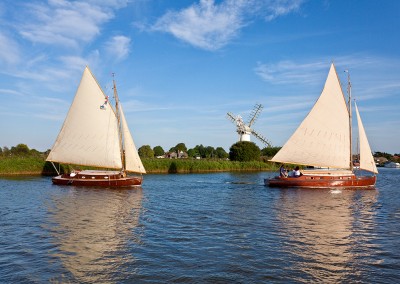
290, 72
119, 47
64, 23
204, 25
372, 77
9, 50
211, 26
75, 63
281, 7
8, 92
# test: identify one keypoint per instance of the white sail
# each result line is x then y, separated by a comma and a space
323, 138
89, 135
132, 159
366, 159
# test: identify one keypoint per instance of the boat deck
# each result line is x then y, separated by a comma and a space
327, 172
97, 178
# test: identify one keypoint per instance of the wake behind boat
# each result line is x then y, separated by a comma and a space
96, 134
323, 140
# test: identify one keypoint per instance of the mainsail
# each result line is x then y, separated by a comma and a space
366, 159
89, 135
323, 138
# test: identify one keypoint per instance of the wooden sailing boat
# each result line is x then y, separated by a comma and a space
96, 134
323, 140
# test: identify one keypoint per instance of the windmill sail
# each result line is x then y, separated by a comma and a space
366, 159
245, 130
89, 135
323, 138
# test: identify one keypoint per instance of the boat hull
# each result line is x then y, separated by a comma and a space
97, 179
320, 181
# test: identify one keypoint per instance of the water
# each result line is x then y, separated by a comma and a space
202, 228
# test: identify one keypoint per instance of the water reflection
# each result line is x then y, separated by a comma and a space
92, 229
327, 232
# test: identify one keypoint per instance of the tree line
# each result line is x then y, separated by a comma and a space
198, 151
21, 150
240, 151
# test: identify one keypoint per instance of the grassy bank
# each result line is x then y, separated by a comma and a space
201, 166
25, 166
38, 166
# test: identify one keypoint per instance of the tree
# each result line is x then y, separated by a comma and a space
158, 151
201, 150
35, 153
244, 151
210, 152
181, 147
20, 149
146, 152
270, 151
6, 151
192, 153
221, 153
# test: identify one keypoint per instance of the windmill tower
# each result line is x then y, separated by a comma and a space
245, 130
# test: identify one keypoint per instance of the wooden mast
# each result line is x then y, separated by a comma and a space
350, 119
121, 146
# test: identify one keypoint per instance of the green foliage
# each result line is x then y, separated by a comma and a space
181, 147
6, 151
200, 150
210, 152
244, 151
34, 163
207, 152
270, 151
25, 165
158, 151
221, 153
20, 150
203, 165
192, 153
146, 152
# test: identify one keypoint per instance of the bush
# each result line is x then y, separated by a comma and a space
146, 152
244, 151
158, 151
270, 151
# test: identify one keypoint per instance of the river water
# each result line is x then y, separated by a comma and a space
199, 228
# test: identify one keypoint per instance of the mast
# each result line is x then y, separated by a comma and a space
350, 118
121, 146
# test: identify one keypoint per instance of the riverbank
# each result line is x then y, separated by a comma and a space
38, 166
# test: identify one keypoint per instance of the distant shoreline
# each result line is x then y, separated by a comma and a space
20, 166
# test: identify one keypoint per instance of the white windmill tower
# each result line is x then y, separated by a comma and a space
244, 130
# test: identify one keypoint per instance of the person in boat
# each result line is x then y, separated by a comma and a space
296, 172
283, 172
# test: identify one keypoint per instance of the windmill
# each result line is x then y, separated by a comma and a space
244, 130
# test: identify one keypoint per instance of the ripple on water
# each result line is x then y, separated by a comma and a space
203, 228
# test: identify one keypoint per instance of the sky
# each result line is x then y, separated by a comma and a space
181, 65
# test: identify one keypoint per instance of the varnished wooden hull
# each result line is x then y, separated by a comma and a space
98, 179
320, 181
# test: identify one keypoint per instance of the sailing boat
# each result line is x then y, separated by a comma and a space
323, 141
96, 134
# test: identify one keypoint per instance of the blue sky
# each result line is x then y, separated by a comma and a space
182, 65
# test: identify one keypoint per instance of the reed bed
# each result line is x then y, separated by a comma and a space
204, 165
38, 166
